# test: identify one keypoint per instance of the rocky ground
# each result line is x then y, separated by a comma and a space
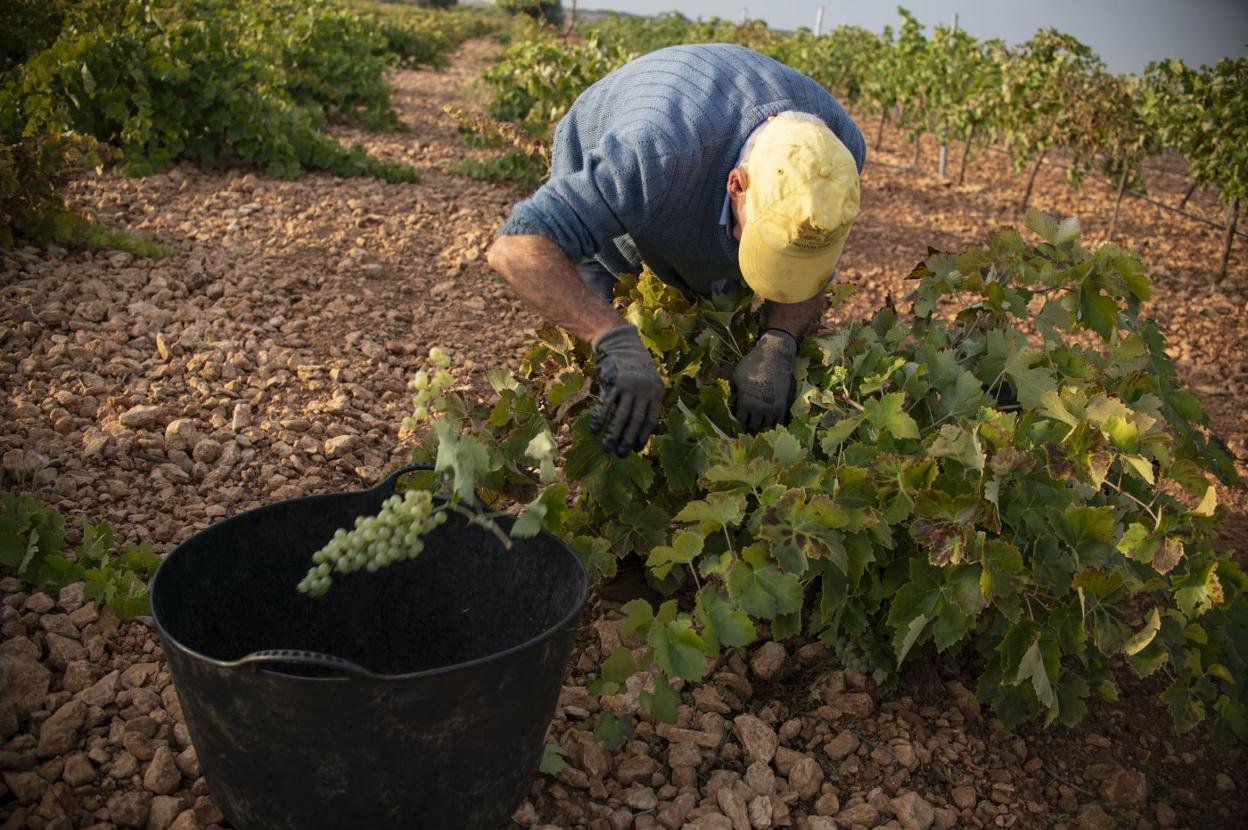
268, 357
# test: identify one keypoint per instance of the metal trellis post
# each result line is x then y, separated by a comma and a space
944, 139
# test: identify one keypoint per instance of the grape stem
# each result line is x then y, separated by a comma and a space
485, 520
1147, 507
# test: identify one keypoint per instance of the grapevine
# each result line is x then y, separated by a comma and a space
155, 81
396, 532
902, 510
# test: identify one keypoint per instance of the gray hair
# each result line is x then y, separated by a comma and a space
749, 144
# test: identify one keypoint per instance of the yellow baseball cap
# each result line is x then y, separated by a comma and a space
801, 198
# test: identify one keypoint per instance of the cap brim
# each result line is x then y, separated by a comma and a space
787, 276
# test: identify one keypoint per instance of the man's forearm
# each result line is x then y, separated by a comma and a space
795, 318
545, 278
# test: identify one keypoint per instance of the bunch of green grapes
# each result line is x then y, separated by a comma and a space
395, 532
849, 651
393, 535
430, 388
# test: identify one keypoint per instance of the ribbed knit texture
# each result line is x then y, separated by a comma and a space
646, 152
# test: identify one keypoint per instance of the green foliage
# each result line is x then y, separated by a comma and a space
32, 545
1204, 114
425, 34
208, 81
547, 11
901, 506
553, 759
211, 81
96, 236
643, 35
33, 168
423, 4
841, 60
29, 26
963, 84
538, 77
1044, 82
512, 166
1114, 122
334, 61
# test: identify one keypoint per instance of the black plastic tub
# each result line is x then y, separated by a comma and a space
414, 697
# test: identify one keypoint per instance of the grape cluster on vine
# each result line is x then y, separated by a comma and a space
850, 653
430, 388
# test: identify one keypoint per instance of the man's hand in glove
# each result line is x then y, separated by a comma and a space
763, 381
630, 389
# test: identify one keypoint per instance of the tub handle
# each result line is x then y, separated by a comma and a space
277, 657
388, 483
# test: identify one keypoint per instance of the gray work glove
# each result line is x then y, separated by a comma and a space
763, 383
630, 391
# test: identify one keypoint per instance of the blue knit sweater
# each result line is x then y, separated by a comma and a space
645, 153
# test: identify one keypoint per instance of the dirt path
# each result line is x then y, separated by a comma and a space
268, 358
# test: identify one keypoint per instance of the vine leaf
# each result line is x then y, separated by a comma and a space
465, 457
961, 399
784, 446
1208, 503
911, 635
1048, 229
619, 665
839, 433
1144, 636
715, 511
685, 547
764, 591
1034, 667
553, 759
678, 649
1088, 531
959, 444
1030, 382
1198, 590
1003, 573
638, 617
1097, 311
886, 415
12, 546
661, 701
543, 513
681, 454
726, 625
612, 731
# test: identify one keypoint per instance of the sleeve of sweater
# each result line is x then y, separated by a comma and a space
620, 182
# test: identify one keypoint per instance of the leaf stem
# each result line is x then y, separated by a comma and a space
728, 340
853, 403
1147, 508
997, 382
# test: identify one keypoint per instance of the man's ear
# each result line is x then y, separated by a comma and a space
738, 181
